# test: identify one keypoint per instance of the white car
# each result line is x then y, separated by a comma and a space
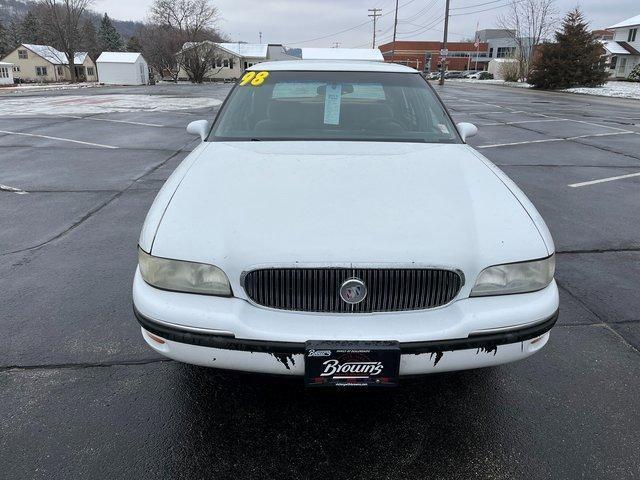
333, 223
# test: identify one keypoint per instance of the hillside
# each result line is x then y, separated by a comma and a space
18, 8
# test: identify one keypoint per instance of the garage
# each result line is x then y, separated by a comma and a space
122, 68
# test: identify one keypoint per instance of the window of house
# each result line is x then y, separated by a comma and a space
505, 52
491, 52
246, 65
90, 71
632, 35
60, 71
22, 54
16, 69
4, 72
41, 71
225, 63
219, 62
231, 63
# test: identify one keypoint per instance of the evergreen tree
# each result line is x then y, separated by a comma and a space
574, 60
90, 40
134, 45
5, 48
30, 31
108, 37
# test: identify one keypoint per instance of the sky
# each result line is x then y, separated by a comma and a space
323, 23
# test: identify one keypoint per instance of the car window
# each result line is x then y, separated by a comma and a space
365, 106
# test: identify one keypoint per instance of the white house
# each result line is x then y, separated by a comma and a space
43, 63
6, 73
232, 59
122, 68
624, 50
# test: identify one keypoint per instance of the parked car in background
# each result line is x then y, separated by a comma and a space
453, 74
468, 73
482, 75
433, 75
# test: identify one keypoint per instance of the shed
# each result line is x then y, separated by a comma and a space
6, 73
122, 68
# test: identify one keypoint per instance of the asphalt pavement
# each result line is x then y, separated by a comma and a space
82, 396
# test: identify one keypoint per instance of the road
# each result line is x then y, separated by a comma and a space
81, 396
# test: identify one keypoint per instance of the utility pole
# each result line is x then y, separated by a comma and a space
443, 58
395, 26
336, 45
260, 35
375, 14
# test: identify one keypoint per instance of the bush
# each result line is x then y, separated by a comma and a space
634, 76
486, 76
509, 70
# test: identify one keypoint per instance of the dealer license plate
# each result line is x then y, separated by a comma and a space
351, 364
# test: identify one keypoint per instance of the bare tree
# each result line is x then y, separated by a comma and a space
159, 45
193, 23
528, 22
63, 18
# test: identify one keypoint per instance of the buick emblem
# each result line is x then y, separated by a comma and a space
353, 291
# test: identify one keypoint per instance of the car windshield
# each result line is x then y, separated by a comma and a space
322, 105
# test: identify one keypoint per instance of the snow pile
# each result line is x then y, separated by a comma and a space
45, 87
490, 82
611, 89
94, 104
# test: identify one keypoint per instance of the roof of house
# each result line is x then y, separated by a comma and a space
619, 48
254, 50
247, 50
369, 54
6, 64
118, 57
629, 22
54, 56
614, 48
332, 66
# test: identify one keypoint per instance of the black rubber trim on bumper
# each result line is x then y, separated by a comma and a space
490, 340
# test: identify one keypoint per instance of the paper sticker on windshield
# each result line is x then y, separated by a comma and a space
443, 129
332, 99
253, 78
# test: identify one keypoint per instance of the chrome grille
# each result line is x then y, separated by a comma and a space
318, 289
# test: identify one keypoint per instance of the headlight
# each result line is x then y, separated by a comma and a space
515, 277
183, 276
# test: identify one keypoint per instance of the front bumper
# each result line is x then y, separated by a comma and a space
232, 334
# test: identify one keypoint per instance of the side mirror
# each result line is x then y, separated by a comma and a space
199, 127
467, 130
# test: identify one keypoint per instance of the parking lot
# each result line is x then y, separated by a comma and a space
81, 395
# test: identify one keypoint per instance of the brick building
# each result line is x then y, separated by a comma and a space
425, 56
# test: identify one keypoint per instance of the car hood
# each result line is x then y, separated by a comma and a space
246, 204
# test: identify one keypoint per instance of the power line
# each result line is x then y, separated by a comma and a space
476, 5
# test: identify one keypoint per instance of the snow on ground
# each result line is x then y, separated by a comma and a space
95, 104
46, 87
490, 82
611, 89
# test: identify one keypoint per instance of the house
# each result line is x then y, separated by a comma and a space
43, 63
123, 68
6, 73
603, 34
232, 59
425, 55
623, 52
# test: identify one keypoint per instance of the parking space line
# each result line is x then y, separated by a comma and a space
113, 121
545, 140
7, 188
603, 180
57, 138
522, 121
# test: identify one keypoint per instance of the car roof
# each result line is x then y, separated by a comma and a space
331, 66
